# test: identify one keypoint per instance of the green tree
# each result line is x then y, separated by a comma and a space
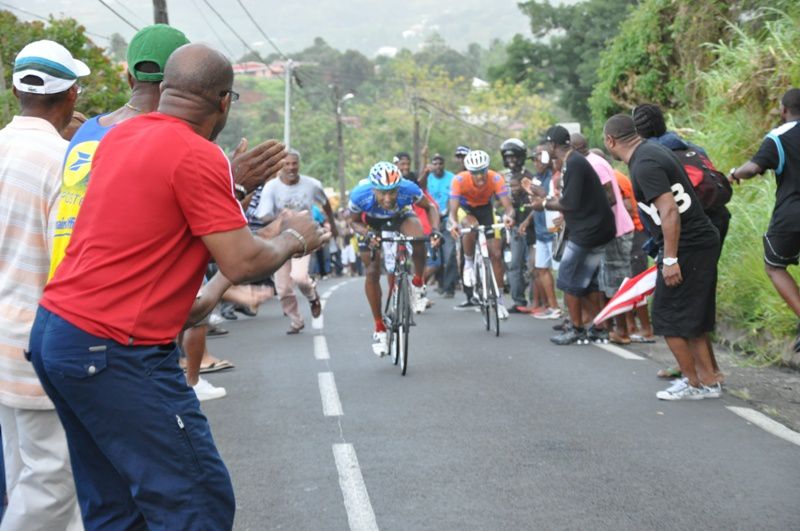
564, 54
105, 87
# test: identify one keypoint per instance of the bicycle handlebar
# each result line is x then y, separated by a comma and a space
478, 228
402, 238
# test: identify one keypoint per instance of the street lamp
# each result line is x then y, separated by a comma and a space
340, 143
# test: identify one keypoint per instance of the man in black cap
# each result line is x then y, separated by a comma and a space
684, 301
590, 225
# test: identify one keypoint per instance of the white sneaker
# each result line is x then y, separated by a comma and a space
713, 391
681, 392
678, 384
380, 344
205, 391
502, 311
420, 302
469, 275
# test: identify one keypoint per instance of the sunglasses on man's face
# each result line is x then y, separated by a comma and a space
234, 95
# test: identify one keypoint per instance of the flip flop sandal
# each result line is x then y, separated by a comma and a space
636, 338
219, 365
617, 340
669, 374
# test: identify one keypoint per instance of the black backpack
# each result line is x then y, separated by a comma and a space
710, 185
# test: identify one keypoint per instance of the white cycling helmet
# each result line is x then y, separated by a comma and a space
476, 160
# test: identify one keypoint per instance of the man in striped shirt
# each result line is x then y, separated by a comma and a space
41, 490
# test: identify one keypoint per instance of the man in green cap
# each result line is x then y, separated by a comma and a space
147, 55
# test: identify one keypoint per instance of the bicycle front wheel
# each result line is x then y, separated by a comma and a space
492, 302
405, 327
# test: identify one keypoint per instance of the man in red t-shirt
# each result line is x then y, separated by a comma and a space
161, 202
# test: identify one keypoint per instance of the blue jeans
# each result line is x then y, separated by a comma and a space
141, 450
517, 267
449, 270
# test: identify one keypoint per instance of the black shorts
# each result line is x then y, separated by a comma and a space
485, 216
690, 309
579, 269
782, 249
380, 225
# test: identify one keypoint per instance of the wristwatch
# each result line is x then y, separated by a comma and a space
669, 261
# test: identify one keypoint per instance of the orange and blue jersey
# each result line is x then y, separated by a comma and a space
362, 200
468, 194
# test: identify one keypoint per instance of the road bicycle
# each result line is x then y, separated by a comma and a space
486, 290
397, 315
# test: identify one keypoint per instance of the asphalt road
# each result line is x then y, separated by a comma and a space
483, 433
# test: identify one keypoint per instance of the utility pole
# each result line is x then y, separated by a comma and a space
160, 12
287, 101
338, 101
415, 108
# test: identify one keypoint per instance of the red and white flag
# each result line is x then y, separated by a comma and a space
632, 294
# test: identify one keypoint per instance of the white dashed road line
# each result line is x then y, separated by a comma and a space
618, 351
767, 424
331, 406
360, 515
321, 348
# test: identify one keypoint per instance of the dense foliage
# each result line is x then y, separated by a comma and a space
104, 89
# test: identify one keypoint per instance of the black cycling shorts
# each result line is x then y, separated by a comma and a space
380, 225
782, 249
485, 216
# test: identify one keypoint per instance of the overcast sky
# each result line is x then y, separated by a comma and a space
365, 25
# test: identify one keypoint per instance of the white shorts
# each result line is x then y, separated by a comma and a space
348, 255
544, 255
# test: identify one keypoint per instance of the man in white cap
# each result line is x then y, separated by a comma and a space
41, 489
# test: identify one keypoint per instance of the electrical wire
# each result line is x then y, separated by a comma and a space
125, 20
283, 55
131, 11
211, 27
40, 17
244, 43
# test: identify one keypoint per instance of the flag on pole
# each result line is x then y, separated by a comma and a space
632, 294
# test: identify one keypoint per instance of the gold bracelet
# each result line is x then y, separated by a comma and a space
299, 237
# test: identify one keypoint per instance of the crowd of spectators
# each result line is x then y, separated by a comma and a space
106, 305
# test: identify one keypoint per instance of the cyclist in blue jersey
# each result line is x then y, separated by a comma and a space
382, 203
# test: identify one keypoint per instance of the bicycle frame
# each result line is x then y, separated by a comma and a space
482, 246
398, 314
487, 296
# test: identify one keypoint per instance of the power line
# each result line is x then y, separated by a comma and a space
125, 20
460, 119
131, 11
197, 6
247, 46
283, 56
40, 17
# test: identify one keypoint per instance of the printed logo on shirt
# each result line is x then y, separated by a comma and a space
79, 162
683, 200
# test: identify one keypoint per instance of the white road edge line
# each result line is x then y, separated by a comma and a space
360, 515
618, 351
331, 405
321, 348
318, 323
767, 424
